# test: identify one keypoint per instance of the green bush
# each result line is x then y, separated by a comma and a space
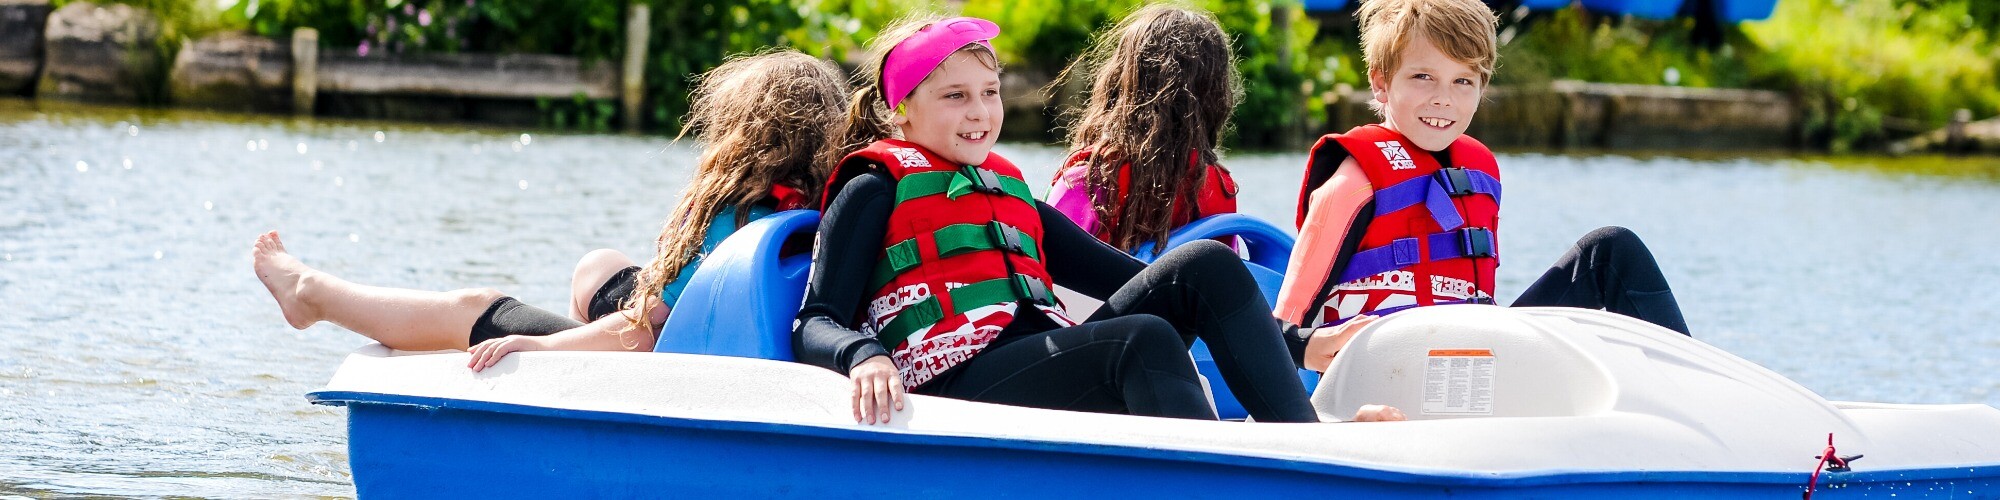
1045, 35
1855, 62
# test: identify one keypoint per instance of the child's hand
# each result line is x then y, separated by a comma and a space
1378, 413
1326, 342
877, 388
489, 352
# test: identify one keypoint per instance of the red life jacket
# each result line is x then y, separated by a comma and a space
963, 251
1432, 239
1215, 196
788, 198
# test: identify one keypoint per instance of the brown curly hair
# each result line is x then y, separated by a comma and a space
1163, 83
763, 120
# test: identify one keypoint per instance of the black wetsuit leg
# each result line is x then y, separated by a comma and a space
1609, 269
1203, 291
509, 316
1134, 365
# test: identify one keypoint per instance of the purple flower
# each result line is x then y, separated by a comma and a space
468, 3
409, 9
392, 26
423, 18
362, 50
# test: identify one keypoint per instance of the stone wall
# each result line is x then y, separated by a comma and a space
1570, 114
233, 72
101, 54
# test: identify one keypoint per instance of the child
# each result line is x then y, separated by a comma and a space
1385, 226
768, 124
1163, 83
933, 267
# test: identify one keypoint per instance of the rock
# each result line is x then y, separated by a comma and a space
21, 23
233, 72
101, 54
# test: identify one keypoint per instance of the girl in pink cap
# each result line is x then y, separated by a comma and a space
934, 264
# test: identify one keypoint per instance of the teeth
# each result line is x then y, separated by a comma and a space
1436, 122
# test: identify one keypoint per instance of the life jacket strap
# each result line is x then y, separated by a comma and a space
953, 240
955, 184
1471, 242
1392, 310
1435, 192
1019, 287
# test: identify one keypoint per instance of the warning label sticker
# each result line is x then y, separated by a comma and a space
1459, 382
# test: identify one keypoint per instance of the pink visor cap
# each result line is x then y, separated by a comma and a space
909, 62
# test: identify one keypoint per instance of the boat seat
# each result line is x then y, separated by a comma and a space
743, 297
1465, 361
1267, 252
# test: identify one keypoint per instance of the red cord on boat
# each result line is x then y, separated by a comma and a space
1826, 457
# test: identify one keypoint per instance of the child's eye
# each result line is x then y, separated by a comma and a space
1421, 76
955, 95
991, 92
1463, 81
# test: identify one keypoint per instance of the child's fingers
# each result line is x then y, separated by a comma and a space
896, 392
883, 399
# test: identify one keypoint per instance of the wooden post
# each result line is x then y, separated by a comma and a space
305, 70
1954, 134
632, 76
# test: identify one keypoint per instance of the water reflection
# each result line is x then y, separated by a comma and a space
144, 359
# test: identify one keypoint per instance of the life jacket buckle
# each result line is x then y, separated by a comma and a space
1476, 242
1482, 300
1455, 181
983, 180
1006, 237
1033, 290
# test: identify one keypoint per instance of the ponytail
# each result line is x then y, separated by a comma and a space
865, 123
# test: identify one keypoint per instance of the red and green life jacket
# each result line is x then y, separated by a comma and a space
963, 251
1433, 237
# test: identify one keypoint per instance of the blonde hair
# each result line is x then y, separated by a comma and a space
868, 114
1462, 29
762, 120
1163, 85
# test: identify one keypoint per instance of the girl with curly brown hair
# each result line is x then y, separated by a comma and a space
769, 125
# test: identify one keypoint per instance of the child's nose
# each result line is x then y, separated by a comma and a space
980, 110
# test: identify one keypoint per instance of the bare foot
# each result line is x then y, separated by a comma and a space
283, 275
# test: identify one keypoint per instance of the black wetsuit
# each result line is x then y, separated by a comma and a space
1129, 357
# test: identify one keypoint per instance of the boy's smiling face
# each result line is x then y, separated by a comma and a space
955, 112
1430, 98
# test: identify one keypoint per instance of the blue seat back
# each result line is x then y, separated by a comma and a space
1268, 252
743, 297
1268, 249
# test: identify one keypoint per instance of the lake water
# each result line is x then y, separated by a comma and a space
140, 356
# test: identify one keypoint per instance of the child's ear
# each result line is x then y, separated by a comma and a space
1379, 86
899, 119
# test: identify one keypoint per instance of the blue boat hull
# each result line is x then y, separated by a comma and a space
403, 446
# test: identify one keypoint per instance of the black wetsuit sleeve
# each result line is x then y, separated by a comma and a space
1080, 262
850, 240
